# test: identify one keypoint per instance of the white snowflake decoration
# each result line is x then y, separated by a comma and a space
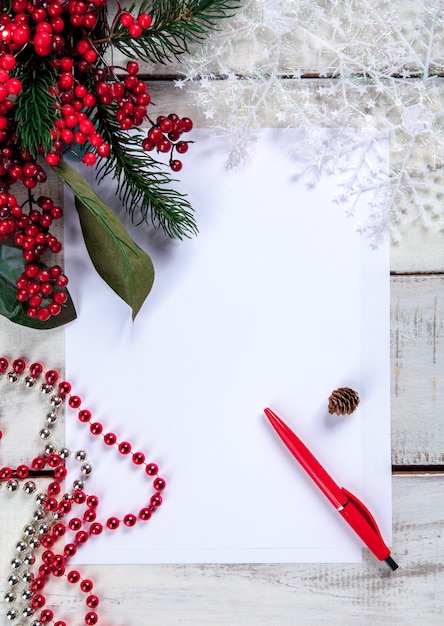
375, 70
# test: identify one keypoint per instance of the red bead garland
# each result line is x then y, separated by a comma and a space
82, 523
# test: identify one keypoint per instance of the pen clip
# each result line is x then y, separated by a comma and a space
364, 511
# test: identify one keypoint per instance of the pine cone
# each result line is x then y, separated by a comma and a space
343, 401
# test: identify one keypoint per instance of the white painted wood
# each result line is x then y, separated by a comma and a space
284, 595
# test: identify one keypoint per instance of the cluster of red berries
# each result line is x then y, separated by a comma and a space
67, 35
165, 137
42, 289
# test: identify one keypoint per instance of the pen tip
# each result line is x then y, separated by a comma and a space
391, 563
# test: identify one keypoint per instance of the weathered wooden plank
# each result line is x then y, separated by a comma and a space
266, 595
318, 38
417, 358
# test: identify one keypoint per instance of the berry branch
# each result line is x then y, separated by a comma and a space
59, 95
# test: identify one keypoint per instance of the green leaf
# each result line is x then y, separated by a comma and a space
11, 267
125, 267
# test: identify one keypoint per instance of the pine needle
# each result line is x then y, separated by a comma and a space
176, 24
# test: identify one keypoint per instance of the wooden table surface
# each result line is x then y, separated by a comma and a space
285, 595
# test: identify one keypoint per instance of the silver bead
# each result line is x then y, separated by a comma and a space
57, 515
68, 497
40, 498
36, 623
56, 401
29, 486
16, 563
78, 484
12, 485
26, 594
12, 377
80, 455
12, 614
27, 576
52, 417
38, 515
30, 381
28, 611
64, 453
50, 448
10, 596
86, 469
46, 388
21, 546
29, 559
29, 530
43, 529
33, 543
13, 580
45, 433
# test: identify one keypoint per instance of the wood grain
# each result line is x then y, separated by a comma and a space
271, 595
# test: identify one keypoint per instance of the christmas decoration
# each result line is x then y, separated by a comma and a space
61, 94
343, 401
368, 66
62, 523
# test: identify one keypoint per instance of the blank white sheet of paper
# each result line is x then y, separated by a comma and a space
277, 302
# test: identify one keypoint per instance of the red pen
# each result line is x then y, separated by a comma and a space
348, 505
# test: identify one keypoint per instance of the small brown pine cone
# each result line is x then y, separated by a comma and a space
343, 401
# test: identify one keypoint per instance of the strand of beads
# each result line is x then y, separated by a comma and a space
40, 559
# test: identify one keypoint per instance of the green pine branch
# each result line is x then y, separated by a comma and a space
144, 185
36, 107
176, 24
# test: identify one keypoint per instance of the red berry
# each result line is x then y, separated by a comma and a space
126, 19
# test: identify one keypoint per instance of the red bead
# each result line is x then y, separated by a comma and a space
159, 484
65, 506
145, 513
138, 458
69, 550
47, 557
124, 447
51, 377
96, 528
110, 439
22, 471
35, 369
89, 516
74, 402
75, 523
86, 585
19, 366
151, 469
81, 536
54, 489
84, 415
38, 601
91, 618
60, 472
5, 473
92, 602
64, 387
92, 501
79, 496
96, 428
58, 570
60, 623
112, 523
130, 519
46, 615
156, 499
47, 541
59, 530
38, 463
54, 460
3, 364
73, 576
